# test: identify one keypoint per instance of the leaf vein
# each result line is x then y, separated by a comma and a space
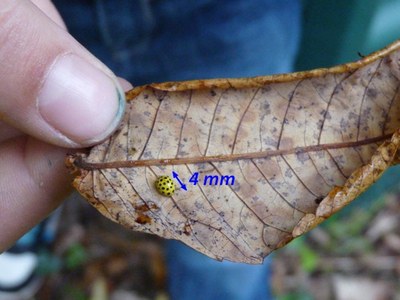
241, 119
363, 98
286, 112
183, 123
212, 122
328, 106
151, 130
275, 190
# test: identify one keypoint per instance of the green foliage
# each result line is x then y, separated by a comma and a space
308, 257
75, 256
295, 296
72, 292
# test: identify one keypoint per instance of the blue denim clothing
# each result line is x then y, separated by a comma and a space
160, 40
193, 275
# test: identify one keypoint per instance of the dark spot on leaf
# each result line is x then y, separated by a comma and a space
318, 200
372, 93
160, 95
187, 230
143, 219
142, 208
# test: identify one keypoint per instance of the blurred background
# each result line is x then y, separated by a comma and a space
356, 252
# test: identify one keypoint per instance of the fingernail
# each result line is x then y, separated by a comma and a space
80, 101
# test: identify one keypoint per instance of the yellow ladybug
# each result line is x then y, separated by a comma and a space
165, 186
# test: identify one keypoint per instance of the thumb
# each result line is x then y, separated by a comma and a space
50, 86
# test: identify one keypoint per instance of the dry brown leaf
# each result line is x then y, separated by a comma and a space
300, 146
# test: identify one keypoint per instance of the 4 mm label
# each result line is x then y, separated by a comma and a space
212, 179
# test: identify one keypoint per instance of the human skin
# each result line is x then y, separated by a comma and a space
55, 96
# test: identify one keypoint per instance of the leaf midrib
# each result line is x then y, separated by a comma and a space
80, 162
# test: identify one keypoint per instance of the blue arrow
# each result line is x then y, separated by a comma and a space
175, 175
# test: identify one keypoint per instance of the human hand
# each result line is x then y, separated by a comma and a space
54, 95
